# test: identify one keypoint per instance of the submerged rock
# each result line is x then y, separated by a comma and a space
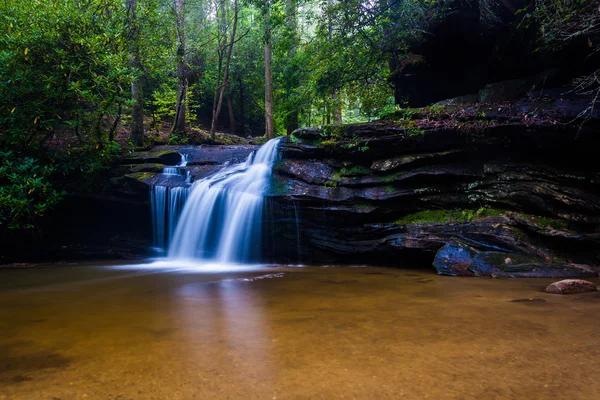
530, 300
571, 286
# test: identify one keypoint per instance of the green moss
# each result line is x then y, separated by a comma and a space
435, 111
415, 132
389, 189
329, 142
333, 131
295, 139
402, 114
354, 171
546, 223
389, 178
140, 176
278, 188
446, 216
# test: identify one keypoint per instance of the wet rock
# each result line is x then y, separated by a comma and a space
571, 286
411, 159
308, 133
134, 168
454, 259
531, 300
160, 156
132, 185
506, 265
511, 89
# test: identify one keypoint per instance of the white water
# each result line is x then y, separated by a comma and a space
176, 170
167, 203
221, 219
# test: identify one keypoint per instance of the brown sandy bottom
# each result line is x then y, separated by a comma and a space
90, 332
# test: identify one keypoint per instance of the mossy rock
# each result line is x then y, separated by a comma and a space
134, 168
131, 185
167, 157
449, 216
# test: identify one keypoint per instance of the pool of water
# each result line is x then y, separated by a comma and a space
91, 331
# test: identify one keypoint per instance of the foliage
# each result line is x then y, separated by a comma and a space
63, 70
84, 166
163, 101
25, 191
560, 21
178, 138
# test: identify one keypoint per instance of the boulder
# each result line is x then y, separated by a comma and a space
571, 286
454, 259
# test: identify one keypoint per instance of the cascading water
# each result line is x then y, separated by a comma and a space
221, 219
167, 203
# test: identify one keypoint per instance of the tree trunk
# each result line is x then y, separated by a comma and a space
337, 108
335, 96
269, 132
291, 18
242, 111
389, 45
217, 110
231, 115
182, 69
137, 89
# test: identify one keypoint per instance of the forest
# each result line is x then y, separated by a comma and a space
84, 82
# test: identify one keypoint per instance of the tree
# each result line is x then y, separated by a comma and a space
137, 84
182, 68
224, 45
269, 121
291, 82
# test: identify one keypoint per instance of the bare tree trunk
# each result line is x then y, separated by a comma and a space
182, 69
389, 47
337, 108
217, 110
291, 17
137, 89
113, 130
335, 96
269, 132
242, 111
231, 115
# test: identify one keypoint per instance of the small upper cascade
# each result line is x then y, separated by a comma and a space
221, 219
178, 169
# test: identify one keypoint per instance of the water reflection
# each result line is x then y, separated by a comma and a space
190, 266
232, 312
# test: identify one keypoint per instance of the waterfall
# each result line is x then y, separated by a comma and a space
158, 201
167, 203
219, 217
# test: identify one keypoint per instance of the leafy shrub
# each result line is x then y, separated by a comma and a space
25, 191
84, 166
163, 102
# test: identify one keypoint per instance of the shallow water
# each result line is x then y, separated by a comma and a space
95, 332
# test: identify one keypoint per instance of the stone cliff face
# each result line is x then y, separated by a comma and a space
494, 191
507, 190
